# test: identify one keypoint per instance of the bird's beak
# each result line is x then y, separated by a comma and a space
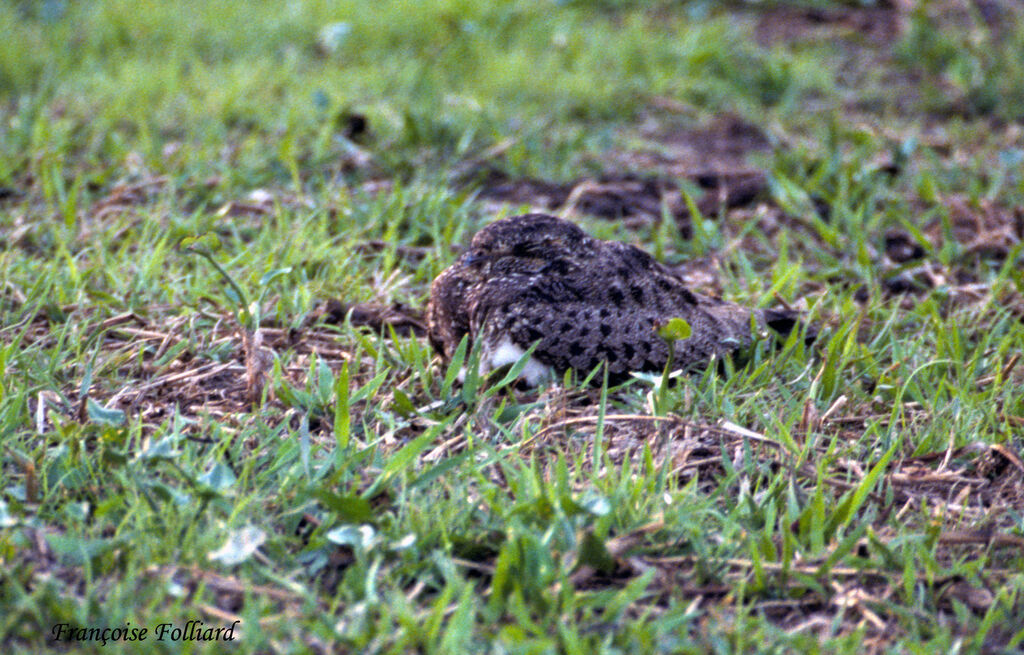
471, 258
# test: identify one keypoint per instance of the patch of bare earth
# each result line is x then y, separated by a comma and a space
165, 373
712, 158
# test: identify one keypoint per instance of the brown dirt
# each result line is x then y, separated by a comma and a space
713, 158
404, 320
876, 26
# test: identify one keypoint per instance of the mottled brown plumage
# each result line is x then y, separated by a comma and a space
541, 279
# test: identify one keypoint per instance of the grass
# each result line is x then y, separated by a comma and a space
187, 433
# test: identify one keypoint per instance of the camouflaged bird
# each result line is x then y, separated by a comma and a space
540, 279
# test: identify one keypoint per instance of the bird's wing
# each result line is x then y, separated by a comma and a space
580, 335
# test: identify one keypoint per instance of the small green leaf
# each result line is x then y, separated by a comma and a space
114, 456
219, 478
87, 379
404, 458
402, 405
847, 509
342, 416
77, 511
593, 553
676, 329
270, 276
73, 551
440, 469
351, 509
102, 415
163, 449
458, 360
208, 241
325, 381
370, 390
169, 494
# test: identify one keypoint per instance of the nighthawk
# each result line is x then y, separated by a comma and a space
540, 279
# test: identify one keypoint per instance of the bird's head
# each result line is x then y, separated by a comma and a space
525, 244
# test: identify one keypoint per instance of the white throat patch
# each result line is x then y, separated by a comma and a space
507, 353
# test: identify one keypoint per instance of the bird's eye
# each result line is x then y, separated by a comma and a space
524, 250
